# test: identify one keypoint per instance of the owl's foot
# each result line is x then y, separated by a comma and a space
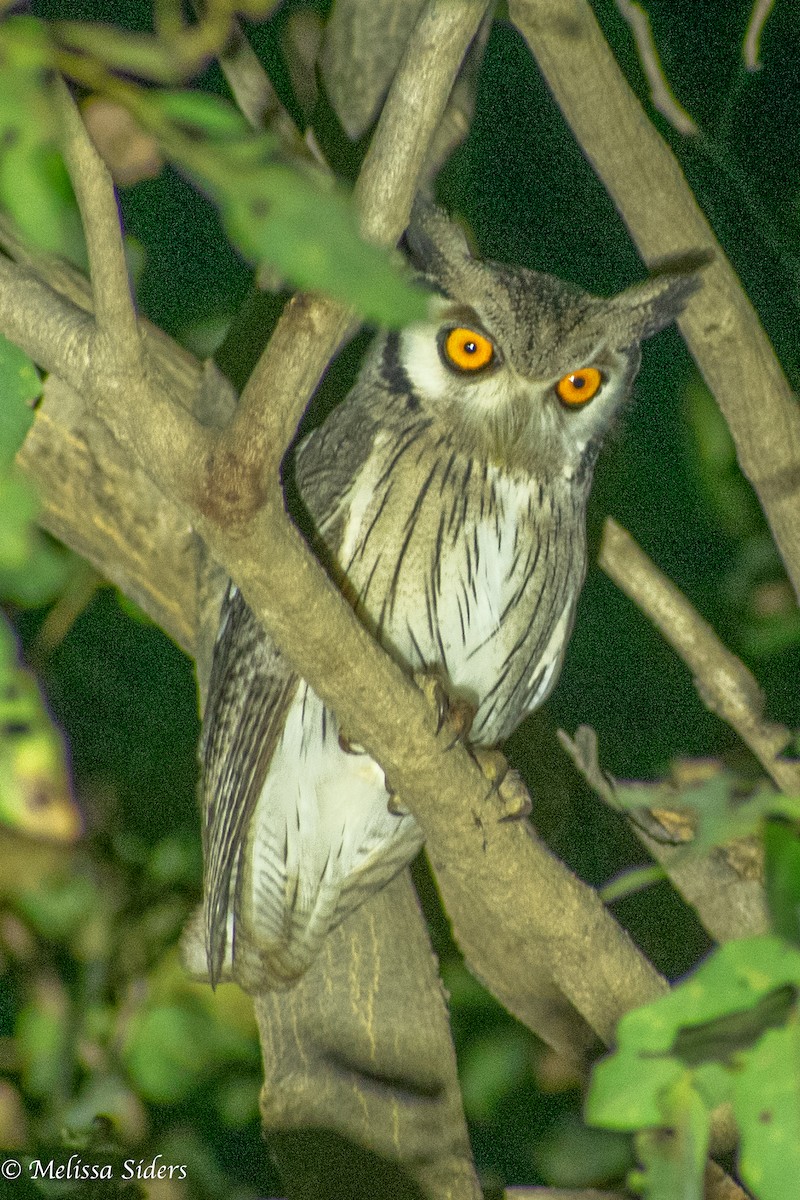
452, 712
507, 784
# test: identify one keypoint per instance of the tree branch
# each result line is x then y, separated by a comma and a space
645, 182
661, 95
723, 681
529, 929
729, 900
272, 404
114, 312
558, 942
361, 1048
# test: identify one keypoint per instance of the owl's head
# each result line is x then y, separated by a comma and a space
521, 366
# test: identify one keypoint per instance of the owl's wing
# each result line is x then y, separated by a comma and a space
330, 460
273, 891
250, 691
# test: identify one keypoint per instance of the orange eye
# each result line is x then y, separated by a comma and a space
467, 350
579, 387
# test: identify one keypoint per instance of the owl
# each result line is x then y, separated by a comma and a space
447, 495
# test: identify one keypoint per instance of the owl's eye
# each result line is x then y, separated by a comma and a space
466, 350
579, 387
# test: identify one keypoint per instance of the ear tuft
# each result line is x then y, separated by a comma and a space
435, 244
660, 300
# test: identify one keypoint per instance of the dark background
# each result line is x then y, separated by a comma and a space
125, 695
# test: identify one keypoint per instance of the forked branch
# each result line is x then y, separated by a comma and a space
654, 200
531, 931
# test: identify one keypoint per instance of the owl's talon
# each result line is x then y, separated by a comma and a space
506, 783
515, 798
432, 689
451, 711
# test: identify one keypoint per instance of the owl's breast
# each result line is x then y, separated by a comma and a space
461, 567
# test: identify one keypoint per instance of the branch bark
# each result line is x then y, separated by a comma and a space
529, 929
728, 899
645, 182
484, 867
723, 681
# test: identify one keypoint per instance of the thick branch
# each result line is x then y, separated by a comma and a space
645, 181
54, 332
361, 1051
529, 929
521, 917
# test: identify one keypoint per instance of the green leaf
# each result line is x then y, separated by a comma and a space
731, 1029
60, 907
236, 1100
135, 53
199, 114
723, 811
571, 1155
34, 186
625, 1093
19, 507
175, 860
163, 59
41, 1038
171, 1047
732, 980
20, 385
490, 1068
33, 569
713, 1082
766, 1101
674, 1156
630, 882
723, 1037
297, 220
35, 795
782, 847
167, 1052
311, 236
42, 576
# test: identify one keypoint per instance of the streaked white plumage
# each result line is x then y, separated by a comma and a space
449, 505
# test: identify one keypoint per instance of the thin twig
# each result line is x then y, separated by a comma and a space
651, 194
108, 354
729, 902
256, 97
751, 47
113, 303
532, 952
661, 95
723, 681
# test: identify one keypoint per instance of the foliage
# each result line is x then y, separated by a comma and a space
96, 1017
728, 1033
34, 790
287, 214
